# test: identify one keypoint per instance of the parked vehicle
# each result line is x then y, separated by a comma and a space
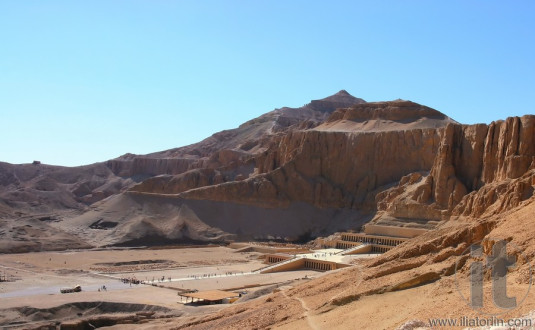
70, 290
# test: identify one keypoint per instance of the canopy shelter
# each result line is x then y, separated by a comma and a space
209, 297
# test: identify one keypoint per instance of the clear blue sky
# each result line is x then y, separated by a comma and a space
86, 81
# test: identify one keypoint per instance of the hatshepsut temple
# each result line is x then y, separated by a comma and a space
328, 254
333, 254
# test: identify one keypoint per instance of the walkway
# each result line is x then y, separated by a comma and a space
306, 313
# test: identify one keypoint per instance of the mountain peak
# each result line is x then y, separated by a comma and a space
342, 99
343, 92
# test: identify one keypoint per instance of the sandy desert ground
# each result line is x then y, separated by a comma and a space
32, 295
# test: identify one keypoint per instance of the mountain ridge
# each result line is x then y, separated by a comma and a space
320, 169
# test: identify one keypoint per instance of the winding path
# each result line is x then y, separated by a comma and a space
308, 318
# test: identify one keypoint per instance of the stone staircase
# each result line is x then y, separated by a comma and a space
275, 265
354, 249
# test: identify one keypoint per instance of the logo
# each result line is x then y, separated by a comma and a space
483, 276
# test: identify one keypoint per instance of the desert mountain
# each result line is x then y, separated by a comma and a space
35, 196
480, 190
291, 174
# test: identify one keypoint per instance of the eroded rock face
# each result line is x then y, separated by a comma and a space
398, 161
409, 199
399, 110
234, 146
385, 116
39, 188
482, 157
329, 169
478, 170
329, 166
497, 197
509, 149
225, 156
147, 167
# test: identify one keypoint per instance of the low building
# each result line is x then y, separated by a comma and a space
210, 297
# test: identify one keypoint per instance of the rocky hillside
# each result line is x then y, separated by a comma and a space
40, 197
481, 189
401, 289
235, 146
291, 174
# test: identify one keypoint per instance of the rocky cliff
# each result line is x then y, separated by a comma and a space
325, 166
328, 169
333, 164
232, 146
478, 169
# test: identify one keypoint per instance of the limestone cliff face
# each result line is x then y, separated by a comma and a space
482, 154
478, 170
399, 110
223, 157
341, 159
232, 148
324, 166
150, 166
509, 149
192, 179
497, 197
329, 168
507, 165
481, 157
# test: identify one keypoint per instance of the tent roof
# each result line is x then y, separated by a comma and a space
211, 295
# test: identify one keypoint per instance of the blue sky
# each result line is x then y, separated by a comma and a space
86, 81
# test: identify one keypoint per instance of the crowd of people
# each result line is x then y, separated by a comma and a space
131, 280
214, 275
134, 280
